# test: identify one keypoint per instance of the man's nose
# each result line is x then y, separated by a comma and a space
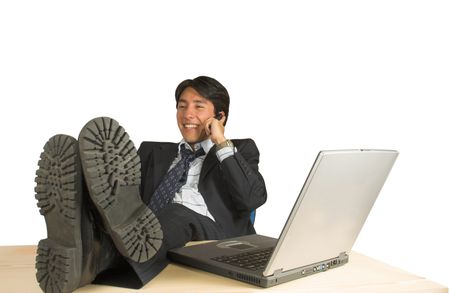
189, 113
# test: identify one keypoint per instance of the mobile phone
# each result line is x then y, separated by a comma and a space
218, 117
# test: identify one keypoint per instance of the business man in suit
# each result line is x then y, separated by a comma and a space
139, 204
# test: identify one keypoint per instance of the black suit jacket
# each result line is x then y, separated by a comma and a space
231, 189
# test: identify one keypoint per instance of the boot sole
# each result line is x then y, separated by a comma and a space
112, 170
58, 191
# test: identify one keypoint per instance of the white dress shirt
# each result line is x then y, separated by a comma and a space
188, 195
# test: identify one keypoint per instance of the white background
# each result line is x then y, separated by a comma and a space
302, 77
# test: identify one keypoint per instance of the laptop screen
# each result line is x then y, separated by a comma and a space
332, 207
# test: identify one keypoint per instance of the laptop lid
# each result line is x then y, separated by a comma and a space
332, 207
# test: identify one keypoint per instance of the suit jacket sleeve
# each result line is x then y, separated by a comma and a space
244, 182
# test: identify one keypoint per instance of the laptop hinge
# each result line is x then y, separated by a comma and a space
278, 272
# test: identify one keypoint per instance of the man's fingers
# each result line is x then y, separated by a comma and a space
208, 125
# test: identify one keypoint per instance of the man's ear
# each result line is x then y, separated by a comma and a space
223, 115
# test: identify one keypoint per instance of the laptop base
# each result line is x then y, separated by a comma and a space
291, 275
198, 257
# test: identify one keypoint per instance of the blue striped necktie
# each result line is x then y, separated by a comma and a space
174, 179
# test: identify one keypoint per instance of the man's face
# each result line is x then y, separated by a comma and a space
192, 112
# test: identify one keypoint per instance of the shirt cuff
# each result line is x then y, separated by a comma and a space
224, 153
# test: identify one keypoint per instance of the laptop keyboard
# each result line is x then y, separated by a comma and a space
254, 260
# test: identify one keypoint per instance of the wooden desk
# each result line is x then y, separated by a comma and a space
361, 274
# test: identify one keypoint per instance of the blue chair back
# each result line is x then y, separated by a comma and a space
253, 216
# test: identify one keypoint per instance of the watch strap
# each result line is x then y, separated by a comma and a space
226, 143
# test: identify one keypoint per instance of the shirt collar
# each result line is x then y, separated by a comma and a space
207, 144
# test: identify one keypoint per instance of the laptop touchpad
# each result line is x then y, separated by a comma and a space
240, 245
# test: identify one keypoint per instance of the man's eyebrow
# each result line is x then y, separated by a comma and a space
202, 101
196, 101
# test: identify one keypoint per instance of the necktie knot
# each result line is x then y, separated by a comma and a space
187, 154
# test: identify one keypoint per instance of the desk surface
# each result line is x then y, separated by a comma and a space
361, 274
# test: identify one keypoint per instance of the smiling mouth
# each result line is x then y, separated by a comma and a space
190, 126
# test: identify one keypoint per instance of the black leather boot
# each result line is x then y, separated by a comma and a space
112, 171
75, 251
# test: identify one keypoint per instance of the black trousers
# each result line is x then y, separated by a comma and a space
180, 225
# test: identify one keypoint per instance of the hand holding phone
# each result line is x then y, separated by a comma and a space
218, 132
218, 117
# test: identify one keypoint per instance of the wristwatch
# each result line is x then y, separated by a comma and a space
226, 143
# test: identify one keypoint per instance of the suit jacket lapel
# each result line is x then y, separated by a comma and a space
210, 161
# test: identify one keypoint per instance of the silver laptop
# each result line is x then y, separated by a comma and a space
320, 231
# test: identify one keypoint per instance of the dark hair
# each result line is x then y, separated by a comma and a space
210, 89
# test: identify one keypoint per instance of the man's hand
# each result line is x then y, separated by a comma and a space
215, 129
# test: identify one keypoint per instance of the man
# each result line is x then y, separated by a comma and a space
112, 212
